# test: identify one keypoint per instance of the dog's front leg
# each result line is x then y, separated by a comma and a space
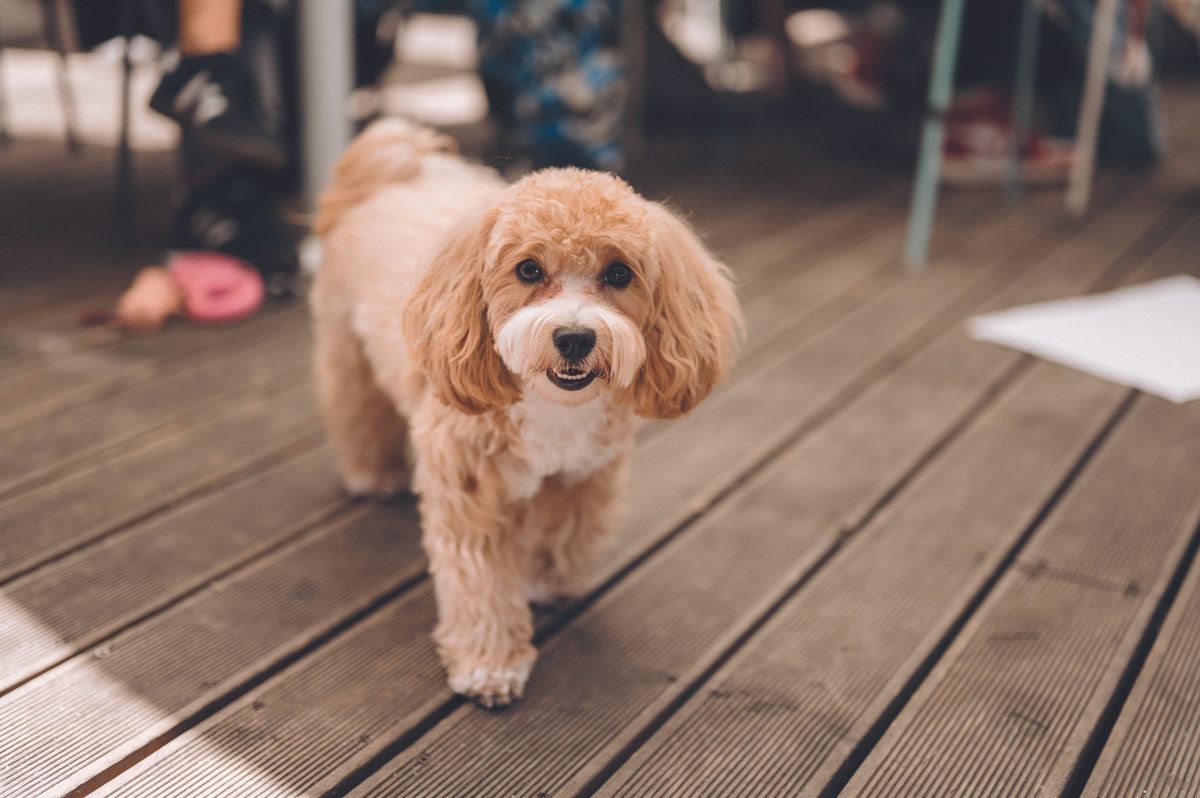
485, 630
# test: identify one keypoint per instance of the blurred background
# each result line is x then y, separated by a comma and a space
149, 127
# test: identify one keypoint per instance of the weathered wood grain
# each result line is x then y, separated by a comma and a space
81, 599
88, 713
53, 519
89, 372
782, 714
1154, 748
1009, 708
36, 450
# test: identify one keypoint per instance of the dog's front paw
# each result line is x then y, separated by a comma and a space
490, 685
384, 485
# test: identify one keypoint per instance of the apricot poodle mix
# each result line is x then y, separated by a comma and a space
506, 336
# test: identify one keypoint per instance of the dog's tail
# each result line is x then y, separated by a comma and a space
389, 151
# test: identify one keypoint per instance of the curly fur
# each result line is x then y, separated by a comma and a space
434, 364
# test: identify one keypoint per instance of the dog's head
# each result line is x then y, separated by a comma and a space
572, 285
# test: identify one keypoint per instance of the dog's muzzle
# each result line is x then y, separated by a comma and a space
574, 344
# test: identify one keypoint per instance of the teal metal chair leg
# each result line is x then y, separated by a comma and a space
1023, 90
929, 162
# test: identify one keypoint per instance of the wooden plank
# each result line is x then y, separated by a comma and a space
769, 223
53, 519
35, 451
674, 617
806, 287
90, 372
51, 305
773, 233
77, 601
279, 741
908, 308
1009, 708
1154, 748
86, 715
51, 278
730, 211
48, 275
753, 192
802, 288
785, 250
785, 711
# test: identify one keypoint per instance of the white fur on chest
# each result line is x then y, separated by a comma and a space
555, 439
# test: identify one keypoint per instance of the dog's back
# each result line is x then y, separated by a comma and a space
394, 194
389, 151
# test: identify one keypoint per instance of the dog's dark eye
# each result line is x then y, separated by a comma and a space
529, 271
618, 275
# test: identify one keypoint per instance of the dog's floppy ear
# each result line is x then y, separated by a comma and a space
694, 324
446, 326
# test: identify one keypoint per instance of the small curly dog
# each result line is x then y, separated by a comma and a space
509, 335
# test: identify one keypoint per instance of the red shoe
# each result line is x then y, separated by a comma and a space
975, 150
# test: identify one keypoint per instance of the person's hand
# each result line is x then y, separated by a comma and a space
149, 301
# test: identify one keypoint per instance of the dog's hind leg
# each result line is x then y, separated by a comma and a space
368, 434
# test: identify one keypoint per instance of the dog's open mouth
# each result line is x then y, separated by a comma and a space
570, 379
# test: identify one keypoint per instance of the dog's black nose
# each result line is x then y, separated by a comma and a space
574, 343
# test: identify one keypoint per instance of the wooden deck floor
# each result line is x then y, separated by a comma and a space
882, 560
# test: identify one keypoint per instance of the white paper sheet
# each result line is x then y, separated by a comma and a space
1146, 336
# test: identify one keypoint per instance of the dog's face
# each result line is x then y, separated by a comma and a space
567, 285
571, 285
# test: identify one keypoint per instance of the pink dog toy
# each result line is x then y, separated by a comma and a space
216, 288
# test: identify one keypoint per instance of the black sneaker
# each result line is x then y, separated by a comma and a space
212, 98
237, 213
